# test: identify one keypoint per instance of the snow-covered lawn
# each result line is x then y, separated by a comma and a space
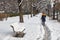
33, 28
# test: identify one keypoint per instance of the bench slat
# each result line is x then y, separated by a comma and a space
18, 27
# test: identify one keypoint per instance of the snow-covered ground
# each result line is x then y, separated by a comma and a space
54, 27
33, 26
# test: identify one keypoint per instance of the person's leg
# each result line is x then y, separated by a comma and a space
43, 23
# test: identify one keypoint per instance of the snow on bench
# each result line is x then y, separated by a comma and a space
18, 27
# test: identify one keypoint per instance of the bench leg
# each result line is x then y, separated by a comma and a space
13, 28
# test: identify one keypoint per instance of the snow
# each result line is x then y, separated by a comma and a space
33, 26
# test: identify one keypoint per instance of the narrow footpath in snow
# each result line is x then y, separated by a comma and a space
47, 35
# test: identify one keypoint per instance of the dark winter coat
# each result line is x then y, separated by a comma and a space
43, 18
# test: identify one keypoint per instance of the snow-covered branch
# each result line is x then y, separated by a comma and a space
20, 2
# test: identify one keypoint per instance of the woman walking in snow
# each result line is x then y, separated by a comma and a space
43, 18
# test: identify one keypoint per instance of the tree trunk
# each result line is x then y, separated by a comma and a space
53, 14
21, 17
53, 11
21, 14
31, 7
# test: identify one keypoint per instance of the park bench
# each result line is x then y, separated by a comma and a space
18, 29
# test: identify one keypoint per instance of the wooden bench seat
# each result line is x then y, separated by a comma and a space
18, 27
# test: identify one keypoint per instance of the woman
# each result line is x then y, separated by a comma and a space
43, 18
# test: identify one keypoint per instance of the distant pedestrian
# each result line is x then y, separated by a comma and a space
43, 18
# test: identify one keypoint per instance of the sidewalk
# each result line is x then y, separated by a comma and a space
54, 27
